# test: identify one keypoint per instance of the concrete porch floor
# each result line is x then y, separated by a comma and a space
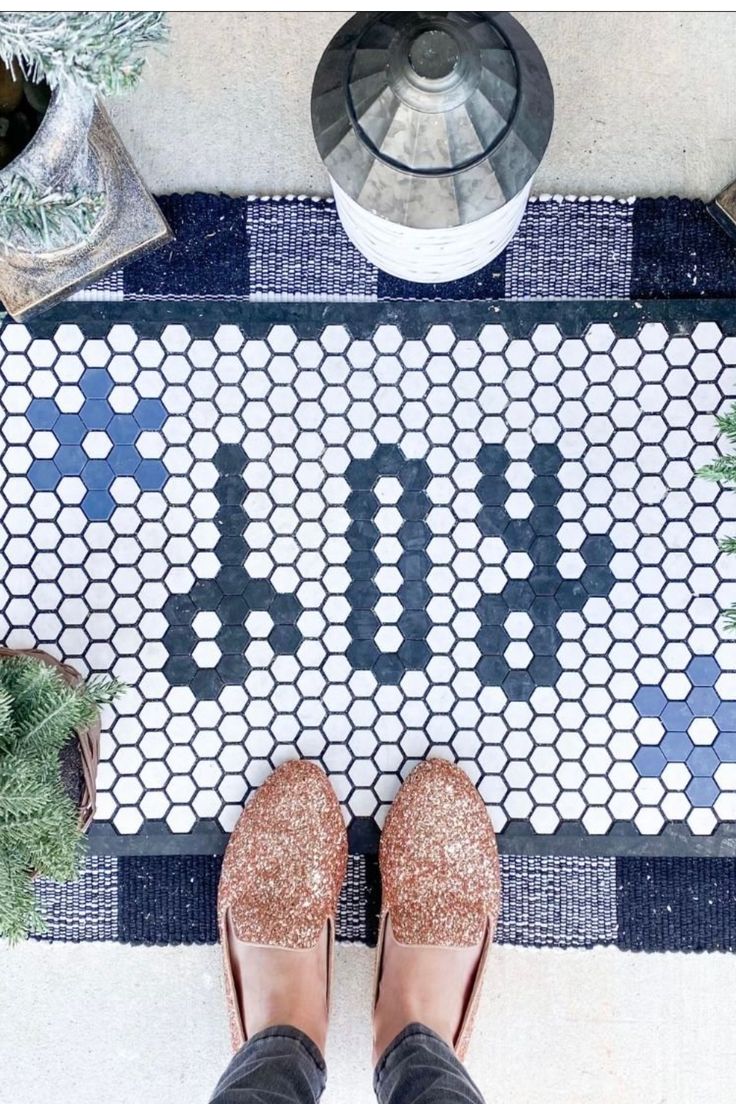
81, 1024
645, 103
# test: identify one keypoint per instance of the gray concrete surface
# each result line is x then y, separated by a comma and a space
646, 103
91, 1023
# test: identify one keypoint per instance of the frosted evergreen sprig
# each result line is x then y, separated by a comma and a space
30, 218
723, 470
39, 824
727, 424
99, 51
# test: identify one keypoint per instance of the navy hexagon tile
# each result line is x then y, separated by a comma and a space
363, 535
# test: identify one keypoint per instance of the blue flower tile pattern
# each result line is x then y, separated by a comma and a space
698, 734
365, 539
97, 441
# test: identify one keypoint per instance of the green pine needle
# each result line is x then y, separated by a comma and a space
727, 424
723, 471
7, 728
104, 691
32, 219
18, 912
39, 825
24, 681
21, 797
100, 51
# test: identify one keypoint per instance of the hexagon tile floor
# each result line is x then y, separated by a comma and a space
367, 533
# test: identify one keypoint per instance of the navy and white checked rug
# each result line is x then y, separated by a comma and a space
300, 512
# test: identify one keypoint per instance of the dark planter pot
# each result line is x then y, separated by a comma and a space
79, 757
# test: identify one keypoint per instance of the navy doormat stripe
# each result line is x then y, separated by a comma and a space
676, 904
250, 249
635, 904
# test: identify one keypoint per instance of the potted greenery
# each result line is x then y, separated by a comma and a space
71, 202
49, 749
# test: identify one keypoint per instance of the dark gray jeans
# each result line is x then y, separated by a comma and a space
283, 1066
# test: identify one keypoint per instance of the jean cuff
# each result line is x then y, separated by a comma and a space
409, 1032
285, 1031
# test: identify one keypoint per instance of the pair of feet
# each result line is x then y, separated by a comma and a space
279, 890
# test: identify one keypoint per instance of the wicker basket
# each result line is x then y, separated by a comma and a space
79, 758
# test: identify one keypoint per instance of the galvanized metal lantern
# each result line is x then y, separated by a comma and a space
431, 127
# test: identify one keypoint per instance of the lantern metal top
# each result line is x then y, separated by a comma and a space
432, 119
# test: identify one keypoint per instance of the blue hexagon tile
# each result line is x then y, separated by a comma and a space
695, 734
365, 537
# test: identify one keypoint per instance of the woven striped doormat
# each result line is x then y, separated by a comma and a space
635, 904
273, 251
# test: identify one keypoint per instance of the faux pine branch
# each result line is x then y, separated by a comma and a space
39, 824
723, 471
100, 51
727, 425
29, 217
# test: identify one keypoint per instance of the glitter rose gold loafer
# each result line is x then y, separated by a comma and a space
282, 873
440, 874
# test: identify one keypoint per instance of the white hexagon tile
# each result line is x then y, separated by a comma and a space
374, 537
